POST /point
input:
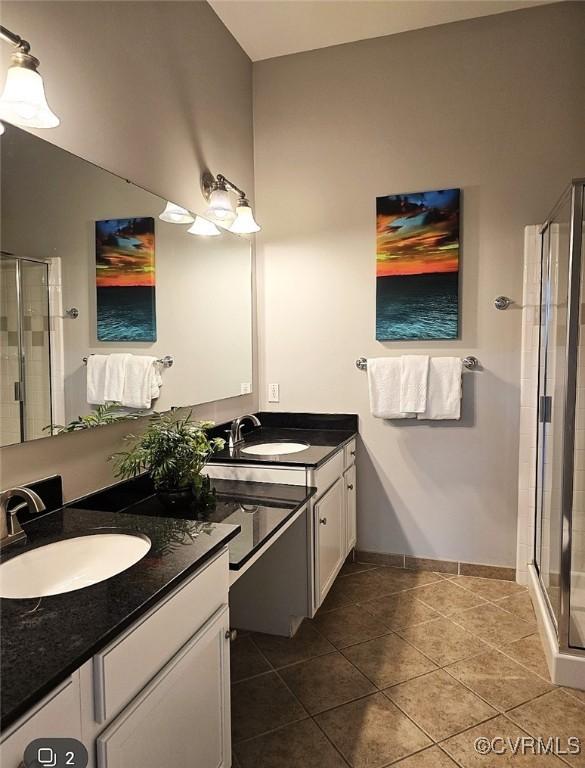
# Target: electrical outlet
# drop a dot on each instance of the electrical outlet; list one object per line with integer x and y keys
{"x": 274, "y": 393}
{"x": 245, "y": 388}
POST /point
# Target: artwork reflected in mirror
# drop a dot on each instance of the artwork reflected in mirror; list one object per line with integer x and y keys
{"x": 79, "y": 283}
{"x": 417, "y": 266}
{"x": 125, "y": 279}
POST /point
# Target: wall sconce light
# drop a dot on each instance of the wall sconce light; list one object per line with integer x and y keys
{"x": 217, "y": 190}
{"x": 23, "y": 101}
{"x": 203, "y": 228}
{"x": 175, "y": 214}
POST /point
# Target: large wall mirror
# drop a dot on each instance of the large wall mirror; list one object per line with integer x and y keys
{"x": 88, "y": 267}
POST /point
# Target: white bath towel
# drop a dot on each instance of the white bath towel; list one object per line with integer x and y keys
{"x": 413, "y": 383}
{"x": 142, "y": 381}
{"x": 444, "y": 389}
{"x": 384, "y": 385}
{"x": 96, "y": 379}
{"x": 115, "y": 376}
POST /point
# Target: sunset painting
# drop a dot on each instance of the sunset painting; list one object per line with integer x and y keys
{"x": 417, "y": 266}
{"x": 125, "y": 280}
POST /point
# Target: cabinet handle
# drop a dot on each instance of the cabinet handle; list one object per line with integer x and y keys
{"x": 353, "y": 453}
{"x": 231, "y": 634}
{"x": 323, "y": 520}
{"x": 350, "y": 487}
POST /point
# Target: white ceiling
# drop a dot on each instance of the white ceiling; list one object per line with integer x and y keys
{"x": 268, "y": 28}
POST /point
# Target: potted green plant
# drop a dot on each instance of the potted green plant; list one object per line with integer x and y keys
{"x": 174, "y": 451}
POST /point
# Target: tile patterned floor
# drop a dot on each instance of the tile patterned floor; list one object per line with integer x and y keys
{"x": 401, "y": 668}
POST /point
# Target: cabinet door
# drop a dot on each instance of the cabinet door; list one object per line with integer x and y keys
{"x": 330, "y": 537}
{"x": 182, "y": 717}
{"x": 57, "y": 716}
{"x": 350, "y": 509}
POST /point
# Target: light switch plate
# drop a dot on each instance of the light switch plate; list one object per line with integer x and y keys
{"x": 274, "y": 393}
{"x": 245, "y": 388}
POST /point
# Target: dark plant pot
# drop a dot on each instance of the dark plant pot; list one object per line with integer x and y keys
{"x": 177, "y": 500}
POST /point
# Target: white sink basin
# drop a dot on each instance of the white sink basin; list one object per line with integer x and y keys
{"x": 70, "y": 564}
{"x": 274, "y": 449}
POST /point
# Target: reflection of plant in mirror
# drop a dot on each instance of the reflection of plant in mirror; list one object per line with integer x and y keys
{"x": 103, "y": 414}
{"x": 172, "y": 450}
{"x": 169, "y": 534}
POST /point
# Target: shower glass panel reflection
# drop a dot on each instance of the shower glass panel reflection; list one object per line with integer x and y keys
{"x": 25, "y": 402}
{"x": 559, "y": 553}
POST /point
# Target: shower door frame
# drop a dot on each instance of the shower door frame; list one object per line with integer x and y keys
{"x": 20, "y": 385}
{"x": 563, "y": 623}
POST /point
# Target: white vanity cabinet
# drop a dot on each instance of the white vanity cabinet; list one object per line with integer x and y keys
{"x": 329, "y": 538}
{"x": 158, "y": 695}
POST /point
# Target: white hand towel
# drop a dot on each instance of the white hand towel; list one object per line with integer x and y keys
{"x": 141, "y": 381}
{"x": 444, "y": 390}
{"x": 413, "y": 383}
{"x": 384, "y": 385}
{"x": 115, "y": 375}
{"x": 96, "y": 379}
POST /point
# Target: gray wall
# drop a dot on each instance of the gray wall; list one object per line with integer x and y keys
{"x": 153, "y": 91}
{"x": 495, "y": 106}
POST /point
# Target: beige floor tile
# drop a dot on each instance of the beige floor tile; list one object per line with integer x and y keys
{"x": 528, "y": 652}
{"x": 462, "y": 748}
{"x": 576, "y": 693}
{"x": 348, "y": 625}
{"x": 443, "y": 641}
{"x": 294, "y": 746}
{"x": 245, "y": 659}
{"x": 499, "y": 680}
{"x": 306, "y": 644}
{"x": 491, "y": 589}
{"x": 354, "y": 588}
{"x": 388, "y": 660}
{"x": 447, "y": 597}
{"x": 439, "y": 704}
{"x": 428, "y": 758}
{"x": 555, "y": 714}
{"x": 397, "y": 579}
{"x": 349, "y": 568}
{"x": 372, "y": 732}
{"x": 519, "y": 605}
{"x": 261, "y": 704}
{"x": 493, "y": 624}
{"x": 326, "y": 682}
{"x": 400, "y": 610}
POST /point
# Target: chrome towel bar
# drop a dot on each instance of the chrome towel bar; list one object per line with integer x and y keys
{"x": 165, "y": 361}
{"x": 470, "y": 362}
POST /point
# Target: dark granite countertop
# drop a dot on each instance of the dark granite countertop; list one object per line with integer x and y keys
{"x": 260, "y": 509}
{"x": 45, "y": 639}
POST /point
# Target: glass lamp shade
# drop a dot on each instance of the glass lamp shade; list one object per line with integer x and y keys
{"x": 203, "y": 228}
{"x": 174, "y": 214}
{"x": 23, "y": 101}
{"x": 244, "y": 224}
{"x": 220, "y": 204}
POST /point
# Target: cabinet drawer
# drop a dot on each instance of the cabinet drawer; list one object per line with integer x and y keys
{"x": 326, "y": 475}
{"x": 349, "y": 453}
{"x": 123, "y": 668}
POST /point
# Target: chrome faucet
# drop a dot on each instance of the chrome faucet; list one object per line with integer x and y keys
{"x": 236, "y": 428}
{"x": 10, "y": 529}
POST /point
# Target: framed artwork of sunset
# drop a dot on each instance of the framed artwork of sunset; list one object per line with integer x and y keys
{"x": 417, "y": 265}
{"x": 125, "y": 280}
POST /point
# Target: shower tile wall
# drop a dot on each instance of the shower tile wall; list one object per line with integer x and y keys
{"x": 9, "y": 409}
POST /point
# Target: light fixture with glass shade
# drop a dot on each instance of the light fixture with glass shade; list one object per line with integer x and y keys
{"x": 245, "y": 223}
{"x": 217, "y": 191}
{"x": 23, "y": 101}
{"x": 175, "y": 214}
{"x": 203, "y": 228}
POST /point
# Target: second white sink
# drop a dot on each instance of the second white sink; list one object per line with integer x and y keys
{"x": 274, "y": 449}
{"x": 71, "y": 564}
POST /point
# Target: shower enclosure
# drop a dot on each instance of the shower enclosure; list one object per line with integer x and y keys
{"x": 25, "y": 400}
{"x": 559, "y": 540}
